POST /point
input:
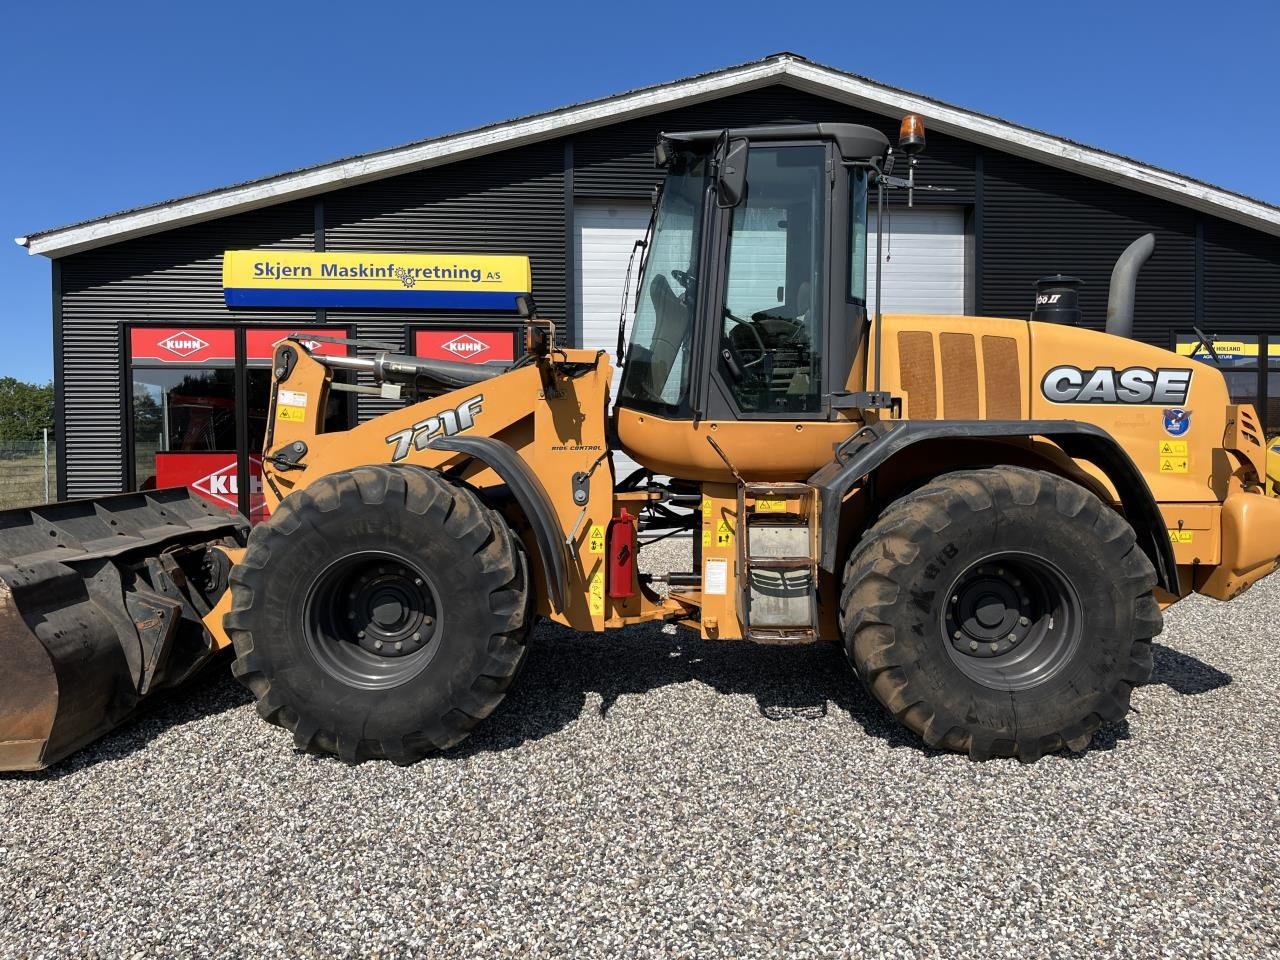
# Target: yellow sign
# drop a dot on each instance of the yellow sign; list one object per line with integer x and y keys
{"x": 723, "y": 534}
{"x": 1174, "y": 465}
{"x": 1191, "y": 347}
{"x": 1180, "y": 536}
{"x": 1173, "y": 448}
{"x": 292, "y": 414}
{"x": 294, "y": 278}
{"x": 595, "y": 539}
{"x": 771, "y": 506}
{"x": 706, "y": 538}
{"x": 595, "y": 593}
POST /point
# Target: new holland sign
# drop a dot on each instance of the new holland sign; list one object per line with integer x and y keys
{"x": 283, "y": 278}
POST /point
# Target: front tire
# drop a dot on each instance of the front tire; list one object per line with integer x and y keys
{"x": 1001, "y": 612}
{"x": 380, "y": 613}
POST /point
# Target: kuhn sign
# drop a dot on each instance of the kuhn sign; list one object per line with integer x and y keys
{"x": 467, "y": 346}
{"x": 183, "y": 344}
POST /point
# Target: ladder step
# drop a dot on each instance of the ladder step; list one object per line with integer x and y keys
{"x": 780, "y": 563}
{"x": 795, "y": 489}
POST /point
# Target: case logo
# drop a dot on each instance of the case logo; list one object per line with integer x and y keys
{"x": 182, "y": 344}
{"x": 1069, "y": 384}
{"x": 446, "y": 424}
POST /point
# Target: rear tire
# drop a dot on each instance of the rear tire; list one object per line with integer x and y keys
{"x": 380, "y": 613}
{"x": 1000, "y": 612}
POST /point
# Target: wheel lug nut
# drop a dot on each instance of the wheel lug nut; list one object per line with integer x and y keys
{"x": 416, "y": 638}
{"x": 399, "y": 645}
{"x": 955, "y": 598}
{"x": 377, "y": 645}
{"x": 428, "y": 621}
{"x": 1012, "y": 636}
{"x": 995, "y": 647}
{"x": 1023, "y": 621}
{"x": 973, "y": 644}
{"x": 957, "y": 635}
{"x": 417, "y": 581}
{"x": 360, "y": 634}
{"x": 999, "y": 572}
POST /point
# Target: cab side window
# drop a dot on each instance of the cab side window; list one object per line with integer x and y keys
{"x": 771, "y": 341}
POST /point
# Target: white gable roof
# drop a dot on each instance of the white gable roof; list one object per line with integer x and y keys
{"x": 782, "y": 68}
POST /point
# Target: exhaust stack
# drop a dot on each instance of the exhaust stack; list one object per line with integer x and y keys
{"x": 1124, "y": 278}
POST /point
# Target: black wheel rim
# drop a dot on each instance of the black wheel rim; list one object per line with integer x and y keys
{"x": 372, "y": 620}
{"x": 1011, "y": 621}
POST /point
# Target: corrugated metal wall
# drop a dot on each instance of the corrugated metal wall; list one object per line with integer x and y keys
{"x": 1031, "y": 220}
{"x": 1038, "y": 220}
{"x": 511, "y": 202}
{"x": 1241, "y": 279}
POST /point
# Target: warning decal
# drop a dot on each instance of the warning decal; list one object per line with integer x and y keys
{"x": 595, "y": 599}
{"x": 595, "y": 539}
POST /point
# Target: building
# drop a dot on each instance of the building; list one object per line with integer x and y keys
{"x": 150, "y": 360}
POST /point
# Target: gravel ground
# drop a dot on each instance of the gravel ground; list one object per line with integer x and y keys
{"x": 652, "y": 794}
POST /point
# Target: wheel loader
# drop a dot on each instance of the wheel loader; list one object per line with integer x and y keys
{"x": 989, "y": 515}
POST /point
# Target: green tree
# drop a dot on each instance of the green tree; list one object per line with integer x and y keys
{"x": 25, "y": 409}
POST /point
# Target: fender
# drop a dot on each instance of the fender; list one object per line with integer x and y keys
{"x": 533, "y": 500}
{"x": 1080, "y": 441}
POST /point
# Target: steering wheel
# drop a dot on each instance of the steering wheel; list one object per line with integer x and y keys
{"x": 751, "y": 328}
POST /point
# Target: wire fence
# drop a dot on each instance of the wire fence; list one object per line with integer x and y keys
{"x": 28, "y": 472}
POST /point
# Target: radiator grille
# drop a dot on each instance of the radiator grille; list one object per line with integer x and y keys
{"x": 1002, "y": 378}
{"x": 915, "y": 358}
{"x": 959, "y": 376}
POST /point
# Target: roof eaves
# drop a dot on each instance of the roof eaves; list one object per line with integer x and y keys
{"x": 789, "y": 68}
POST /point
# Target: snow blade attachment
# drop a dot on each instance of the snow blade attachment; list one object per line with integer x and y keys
{"x": 100, "y": 605}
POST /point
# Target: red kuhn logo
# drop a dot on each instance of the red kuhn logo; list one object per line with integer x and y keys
{"x": 183, "y": 344}
{"x": 465, "y": 346}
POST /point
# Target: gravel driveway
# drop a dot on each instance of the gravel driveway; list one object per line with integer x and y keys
{"x": 652, "y": 794}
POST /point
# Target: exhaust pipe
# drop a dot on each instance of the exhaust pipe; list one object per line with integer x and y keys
{"x": 1124, "y": 278}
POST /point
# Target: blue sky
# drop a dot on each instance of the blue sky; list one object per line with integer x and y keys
{"x": 105, "y": 106}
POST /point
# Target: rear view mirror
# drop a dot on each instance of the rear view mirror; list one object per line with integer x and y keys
{"x": 731, "y": 171}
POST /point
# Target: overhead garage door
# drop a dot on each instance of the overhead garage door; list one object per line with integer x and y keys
{"x": 605, "y": 235}
{"x": 923, "y": 258}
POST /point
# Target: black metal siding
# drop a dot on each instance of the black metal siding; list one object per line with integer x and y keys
{"x": 1242, "y": 279}
{"x": 173, "y": 277}
{"x": 512, "y": 202}
{"x": 617, "y": 161}
{"x": 1038, "y": 220}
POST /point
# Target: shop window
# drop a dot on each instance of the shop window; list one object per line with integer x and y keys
{"x": 190, "y": 425}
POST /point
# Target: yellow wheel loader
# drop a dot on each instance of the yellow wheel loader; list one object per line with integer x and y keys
{"x": 987, "y": 514}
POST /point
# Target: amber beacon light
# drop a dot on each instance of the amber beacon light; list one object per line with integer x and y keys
{"x": 911, "y": 135}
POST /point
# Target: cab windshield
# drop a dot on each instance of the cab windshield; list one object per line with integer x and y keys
{"x": 656, "y": 375}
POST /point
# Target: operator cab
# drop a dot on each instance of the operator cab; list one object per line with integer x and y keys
{"x": 753, "y": 294}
